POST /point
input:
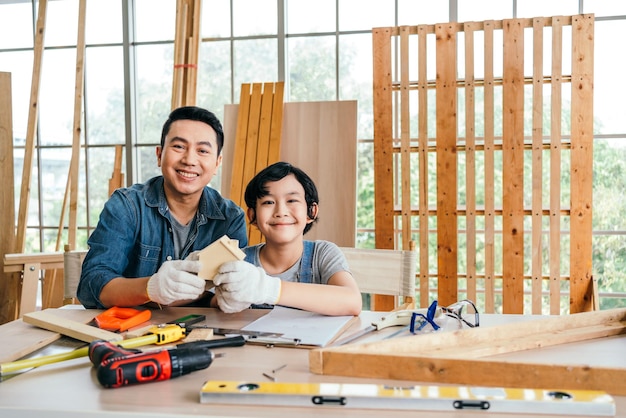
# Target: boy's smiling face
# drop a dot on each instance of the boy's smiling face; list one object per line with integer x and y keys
{"x": 281, "y": 215}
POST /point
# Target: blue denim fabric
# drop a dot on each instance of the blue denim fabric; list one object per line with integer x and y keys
{"x": 134, "y": 235}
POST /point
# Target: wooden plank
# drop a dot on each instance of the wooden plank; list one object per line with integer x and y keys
{"x": 490, "y": 214}
{"x": 424, "y": 233}
{"x": 9, "y": 282}
{"x": 447, "y": 179}
{"x": 249, "y": 158}
{"x": 117, "y": 177}
{"x": 31, "y": 129}
{"x": 277, "y": 122}
{"x": 470, "y": 163}
{"x": 237, "y": 185}
{"x": 403, "y": 359}
{"x": 555, "y": 166}
{"x": 47, "y": 320}
{"x": 405, "y": 139}
{"x": 263, "y": 144}
{"x": 78, "y": 111}
{"x": 383, "y": 152}
{"x": 581, "y": 281}
{"x": 17, "y": 343}
{"x": 383, "y": 142}
{"x": 513, "y": 168}
{"x": 178, "y": 73}
{"x": 537, "y": 169}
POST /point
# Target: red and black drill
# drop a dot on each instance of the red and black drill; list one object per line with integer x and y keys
{"x": 118, "y": 366}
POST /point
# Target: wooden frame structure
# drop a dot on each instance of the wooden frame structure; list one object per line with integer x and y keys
{"x": 463, "y": 357}
{"x": 489, "y": 173}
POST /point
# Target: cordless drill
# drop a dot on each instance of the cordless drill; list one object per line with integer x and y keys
{"x": 118, "y": 366}
{"x": 152, "y": 366}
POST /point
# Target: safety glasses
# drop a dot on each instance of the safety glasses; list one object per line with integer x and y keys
{"x": 464, "y": 311}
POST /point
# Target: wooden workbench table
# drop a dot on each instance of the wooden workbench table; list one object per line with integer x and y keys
{"x": 71, "y": 389}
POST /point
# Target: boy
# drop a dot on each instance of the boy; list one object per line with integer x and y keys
{"x": 286, "y": 270}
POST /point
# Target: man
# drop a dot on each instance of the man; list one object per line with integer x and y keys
{"x": 139, "y": 251}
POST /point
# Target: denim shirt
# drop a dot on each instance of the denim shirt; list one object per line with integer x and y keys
{"x": 134, "y": 235}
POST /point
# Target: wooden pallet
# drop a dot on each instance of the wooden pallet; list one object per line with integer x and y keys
{"x": 462, "y": 357}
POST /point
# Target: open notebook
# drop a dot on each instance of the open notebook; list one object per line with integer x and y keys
{"x": 299, "y": 328}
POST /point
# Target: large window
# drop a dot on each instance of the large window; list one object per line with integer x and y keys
{"x": 321, "y": 49}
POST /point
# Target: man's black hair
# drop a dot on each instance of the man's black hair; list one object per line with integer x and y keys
{"x": 256, "y": 187}
{"x": 194, "y": 113}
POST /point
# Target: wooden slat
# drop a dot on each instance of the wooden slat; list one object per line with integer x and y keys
{"x": 117, "y": 177}
{"x": 513, "y": 168}
{"x": 405, "y": 139}
{"x": 241, "y": 136}
{"x": 47, "y": 320}
{"x": 277, "y": 122}
{"x": 178, "y": 73}
{"x": 402, "y": 359}
{"x": 31, "y": 129}
{"x": 555, "y": 166}
{"x": 581, "y": 281}
{"x": 76, "y": 132}
{"x": 470, "y": 162}
{"x": 537, "y": 169}
{"x": 383, "y": 154}
{"x": 490, "y": 212}
{"x": 9, "y": 282}
{"x": 383, "y": 134}
{"x": 424, "y": 265}
{"x": 263, "y": 142}
{"x": 446, "y": 108}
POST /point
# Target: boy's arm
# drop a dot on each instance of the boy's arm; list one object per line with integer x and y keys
{"x": 341, "y": 296}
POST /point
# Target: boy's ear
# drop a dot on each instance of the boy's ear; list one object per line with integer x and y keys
{"x": 251, "y": 216}
{"x": 313, "y": 212}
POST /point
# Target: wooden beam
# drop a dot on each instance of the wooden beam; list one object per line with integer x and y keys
{"x": 513, "y": 168}
{"x": 9, "y": 282}
{"x": 462, "y": 357}
{"x": 447, "y": 176}
{"x": 29, "y": 148}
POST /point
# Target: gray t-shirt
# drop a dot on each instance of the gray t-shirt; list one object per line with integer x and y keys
{"x": 327, "y": 260}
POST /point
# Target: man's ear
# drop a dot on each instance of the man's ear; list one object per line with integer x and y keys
{"x": 159, "y": 150}
{"x": 251, "y": 216}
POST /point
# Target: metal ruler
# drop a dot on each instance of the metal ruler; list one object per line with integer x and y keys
{"x": 427, "y": 398}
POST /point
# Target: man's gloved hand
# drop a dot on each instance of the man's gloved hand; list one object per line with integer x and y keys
{"x": 175, "y": 280}
{"x": 193, "y": 256}
{"x": 240, "y": 284}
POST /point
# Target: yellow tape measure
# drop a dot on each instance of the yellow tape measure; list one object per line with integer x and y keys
{"x": 432, "y": 398}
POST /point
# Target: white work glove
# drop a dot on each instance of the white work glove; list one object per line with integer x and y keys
{"x": 193, "y": 256}
{"x": 239, "y": 284}
{"x": 176, "y": 280}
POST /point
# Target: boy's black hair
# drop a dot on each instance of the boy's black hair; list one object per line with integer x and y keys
{"x": 256, "y": 187}
{"x": 194, "y": 113}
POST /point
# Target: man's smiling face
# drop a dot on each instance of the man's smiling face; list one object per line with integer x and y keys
{"x": 189, "y": 158}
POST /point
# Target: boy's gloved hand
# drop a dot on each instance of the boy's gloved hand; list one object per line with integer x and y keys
{"x": 240, "y": 284}
{"x": 175, "y": 280}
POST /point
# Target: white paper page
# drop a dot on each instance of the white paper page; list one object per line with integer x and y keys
{"x": 308, "y": 327}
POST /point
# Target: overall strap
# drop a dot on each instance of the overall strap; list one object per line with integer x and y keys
{"x": 250, "y": 252}
{"x": 305, "y": 274}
